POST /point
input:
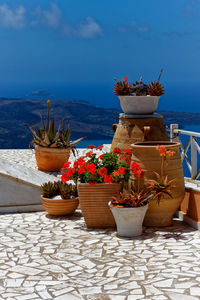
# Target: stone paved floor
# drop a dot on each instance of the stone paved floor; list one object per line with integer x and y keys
{"x": 43, "y": 257}
{"x": 26, "y": 157}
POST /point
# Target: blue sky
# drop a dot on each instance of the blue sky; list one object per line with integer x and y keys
{"x": 92, "y": 41}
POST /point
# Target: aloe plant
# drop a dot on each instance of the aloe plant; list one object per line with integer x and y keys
{"x": 47, "y": 136}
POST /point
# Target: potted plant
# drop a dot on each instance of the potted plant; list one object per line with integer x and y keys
{"x": 52, "y": 148}
{"x": 59, "y": 198}
{"x": 99, "y": 176}
{"x": 138, "y": 98}
{"x": 129, "y": 209}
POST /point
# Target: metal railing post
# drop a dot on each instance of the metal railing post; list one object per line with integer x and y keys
{"x": 173, "y": 136}
{"x": 193, "y": 158}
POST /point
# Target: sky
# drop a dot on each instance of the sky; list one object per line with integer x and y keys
{"x": 77, "y": 44}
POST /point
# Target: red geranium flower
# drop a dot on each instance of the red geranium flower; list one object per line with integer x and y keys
{"x": 117, "y": 150}
{"x": 121, "y": 171}
{"x": 127, "y": 151}
{"x": 102, "y": 171}
{"x": 80, "y": 162}
{"x": 108, "y": 179}
{"x": 100, "y": 157}
{"x": 67, "y": 164}
{"x": 89, "y": 153}
{"x": 92, "y": 183}
{"x": 100, "y": 147}
{"x": 91, "y": 168}
{"x": 81, "y": 170}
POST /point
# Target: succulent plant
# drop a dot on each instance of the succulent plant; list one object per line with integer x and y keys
{"x": 51, "y": 189}
{"x": 122, "y": 87}
{"x": 140, "y": 88}
{"x": 48, "y": 137}
{"x": 155, "y": 89}
{"x": 68, "y": 190}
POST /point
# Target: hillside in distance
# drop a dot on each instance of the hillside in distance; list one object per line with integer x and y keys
{"x": 85, "y": 119}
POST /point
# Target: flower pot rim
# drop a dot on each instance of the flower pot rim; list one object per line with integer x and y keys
{"x": 45, "y": 198}
{"x": 154, "y": 144}
{"x": 54, "y": 148}
{"x": 142, "y": 96}
{"x": 125, "y": 208}
{"x": 98, "y": 184}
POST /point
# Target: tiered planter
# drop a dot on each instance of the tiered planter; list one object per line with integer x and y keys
{"x": 148, "y": 158}
{"x": 132, "y": 129}
{"x": 60, "y": 207}
{"x": 141, "y": 105}
{"x": 51, "y": 159}
{"x": 94, "y": 203}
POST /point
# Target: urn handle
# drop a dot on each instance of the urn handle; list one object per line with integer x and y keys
{"x": 114, "y": 127}
{"x": 146, "y": 132}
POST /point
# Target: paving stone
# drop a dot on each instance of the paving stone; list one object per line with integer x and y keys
{"x": 44, "y": 257}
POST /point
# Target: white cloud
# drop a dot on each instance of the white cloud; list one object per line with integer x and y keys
{"x": 89, "y": 29}
{"x": 191, "y": 8}
{"x": 135, "y": 28}
{"x": 50, "y": 17}
{"x": 12, "y": 18}
{"x": 85, "y": 30}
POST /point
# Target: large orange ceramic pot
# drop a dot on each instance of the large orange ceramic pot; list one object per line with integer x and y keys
{"x": 60, "y": 207}
{"x": 148, "y": 158}
{"x": 94, "y": 203}
{"x": 51, "y": 159}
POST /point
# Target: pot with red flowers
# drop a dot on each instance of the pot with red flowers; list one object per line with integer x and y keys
{"x": 138, "y": 98}
{"x": 129, "y": 209}
{"x": 99, "y": 177}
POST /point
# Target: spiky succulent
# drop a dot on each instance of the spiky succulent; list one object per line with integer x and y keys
{"x": 47, "y": 136}
{"x": 134, "y": 199}
{"x": 68, "y": 190}
{"x": 140, "y": 88}
{"x": 155, "y": 89}
{"x": 51, "y": 189}
{"x": 122, "y": 88}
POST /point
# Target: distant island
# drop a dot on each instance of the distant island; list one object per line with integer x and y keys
{"x": 85, "y": 119}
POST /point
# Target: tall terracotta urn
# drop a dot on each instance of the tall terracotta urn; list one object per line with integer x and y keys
{"x": 146, "y": 155}
{"x": 137, "y": 128}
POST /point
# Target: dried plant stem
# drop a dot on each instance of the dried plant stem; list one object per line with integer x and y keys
{"x": 160, "y": 74}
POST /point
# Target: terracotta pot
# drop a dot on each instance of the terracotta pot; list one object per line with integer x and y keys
{"x": 132, "y": 129}
{"x": 94, "y": 203}
{"x": 60, "y": 207}
{"x": 51, "y": 159}
{"x": 142, "y": 105}
{"x": 129, "y": 219}
{"x": 148, "y": 158}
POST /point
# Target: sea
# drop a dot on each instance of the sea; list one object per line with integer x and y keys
{"x": 178, "y": 97}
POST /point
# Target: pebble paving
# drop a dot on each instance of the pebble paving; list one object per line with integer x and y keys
{"x": 45, "y": 257}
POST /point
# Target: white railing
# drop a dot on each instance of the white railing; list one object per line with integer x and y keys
{"x": 192, "y": 144}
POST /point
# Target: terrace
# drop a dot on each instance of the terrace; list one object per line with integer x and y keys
{"x": 46, "y": 257}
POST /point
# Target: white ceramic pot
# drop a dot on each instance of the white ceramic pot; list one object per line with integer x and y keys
{"x": 129, "y": 219}
{"x": 139, "y": 105}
